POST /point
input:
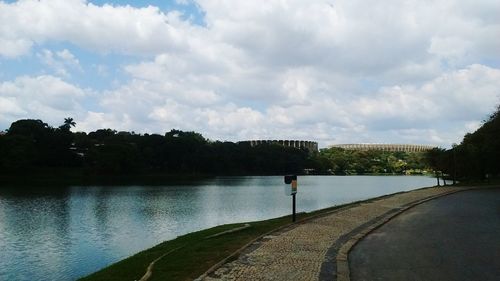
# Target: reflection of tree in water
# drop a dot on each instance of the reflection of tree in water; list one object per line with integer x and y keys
{"x": 101, "y": 210}
{"x": 169, "y": 211}
{"x": 46, "y": 208}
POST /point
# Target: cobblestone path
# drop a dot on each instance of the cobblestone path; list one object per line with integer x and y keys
{"x": 302, "y": 251}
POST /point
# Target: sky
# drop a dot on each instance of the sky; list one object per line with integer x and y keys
{"x": 331, "y": 71}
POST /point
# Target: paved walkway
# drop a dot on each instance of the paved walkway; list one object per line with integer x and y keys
{"x": 317, "y": 249}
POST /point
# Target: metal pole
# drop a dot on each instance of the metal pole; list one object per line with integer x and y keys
{"x": 454, "y": 165}
{"x": 293, "y": 207}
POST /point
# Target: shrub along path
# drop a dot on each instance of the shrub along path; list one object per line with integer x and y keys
{"x": 317, "y": 249}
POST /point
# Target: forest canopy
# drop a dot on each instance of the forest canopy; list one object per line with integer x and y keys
{"x": 30, "y": 145}
{"x": 476, "y": 157}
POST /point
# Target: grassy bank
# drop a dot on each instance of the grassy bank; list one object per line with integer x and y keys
{"x": 192, "y": 254}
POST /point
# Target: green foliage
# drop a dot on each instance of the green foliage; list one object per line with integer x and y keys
{"x": 34, "y": 129}
{"x": 476, "y": 157}
{"x": 68, "y": 123}
{"x": 18, "y": 153}
{"x": 192, "y": 254}
{"x": 344, "y": 162}
{"x": 32, "y": 144}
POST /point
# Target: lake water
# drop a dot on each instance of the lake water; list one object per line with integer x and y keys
{"x": 66, "y": 233}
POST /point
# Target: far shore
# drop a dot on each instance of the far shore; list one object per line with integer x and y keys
{"x": 69, "y": 176}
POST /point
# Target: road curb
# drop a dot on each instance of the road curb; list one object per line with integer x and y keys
{"x": 290, "y": 226}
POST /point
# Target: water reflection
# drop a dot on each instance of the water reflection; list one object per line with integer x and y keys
{"x": 44, "y": 224}
{"x": 65, "y": 233}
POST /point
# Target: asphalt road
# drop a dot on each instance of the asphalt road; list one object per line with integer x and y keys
{"x": 455, "y": 237}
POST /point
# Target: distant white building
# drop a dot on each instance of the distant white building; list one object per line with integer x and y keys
{"x": 385, "y": 147}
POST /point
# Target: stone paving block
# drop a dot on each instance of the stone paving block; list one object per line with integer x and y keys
{"x": 298, "y": 253}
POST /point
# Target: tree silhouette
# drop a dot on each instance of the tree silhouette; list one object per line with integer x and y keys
{"x": 33, "y": 144}
{"x": 68, "y": 123}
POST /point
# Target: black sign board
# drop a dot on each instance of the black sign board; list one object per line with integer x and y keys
{"x": 290, "y": 178}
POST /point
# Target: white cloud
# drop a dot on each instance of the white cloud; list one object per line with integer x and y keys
{"x": 43, "y": 97}
{"x": 62, "y": 62}
{"x": 336, "y": 71}
{"x": 14, "y": 47}
{"x": 182, "y": 2}
{"x": 459, "y": 97}
{"x": 104, "y": 29}
{"x": 68, "y": 58}
{"x": 347, "y": 36}
{"x": 438, "y": 111}
{"x": 449, "y": 47}
{"x": 9, "y": 107}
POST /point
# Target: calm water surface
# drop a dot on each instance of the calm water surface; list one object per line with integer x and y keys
{"x": 66, "y": 233}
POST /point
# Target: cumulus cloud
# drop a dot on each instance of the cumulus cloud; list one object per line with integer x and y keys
{"x": 439, "y": 111}
{"x": 14, "y": 47}
{"x": 346, "y": 35}
{"x": 61, "y": 62}
{"x": 104, "y": 29}
{"x": 461, "y": 95}
{"x": 43, "y": 97}
{"x": 334, "y": 71}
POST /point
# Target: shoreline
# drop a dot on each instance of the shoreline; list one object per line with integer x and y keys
{"x": 318, "y": 248}
{"x": 199, "y": 253}
{"x": 69, "y": 177}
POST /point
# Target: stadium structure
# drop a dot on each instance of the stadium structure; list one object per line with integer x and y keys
{"x": 312, "y": 146}
{"x": 386, "y": 147}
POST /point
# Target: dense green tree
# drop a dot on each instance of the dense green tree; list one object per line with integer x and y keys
{"x": 373, "y": 161}
{"x": 18, "y": 152}
{"x": 68, "y": 123}
{"x": 476, "y": 157}
{"x": 34, "y": 129}
{"x": 114, "y": 158}
{"x": 33, "y": 144}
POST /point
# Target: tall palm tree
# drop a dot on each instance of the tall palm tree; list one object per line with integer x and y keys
{"x": 69, "y": 122}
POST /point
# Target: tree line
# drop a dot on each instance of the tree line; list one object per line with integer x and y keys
{"x": 31, "y": 145}
{"x": 475, "y": 158}
{"x": 345, "y": 162}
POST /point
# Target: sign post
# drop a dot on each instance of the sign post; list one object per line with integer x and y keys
{"x": 292, "y": 180}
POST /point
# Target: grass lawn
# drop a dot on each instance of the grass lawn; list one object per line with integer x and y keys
{"x": 193, "y": 253}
